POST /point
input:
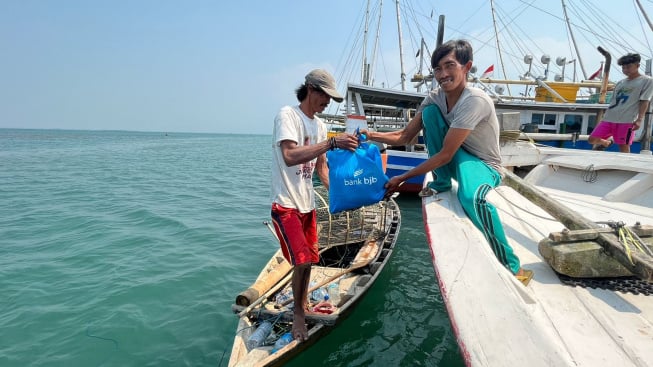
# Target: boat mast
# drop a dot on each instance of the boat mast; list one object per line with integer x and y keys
{"x": 496, "y": 37}
{"x": 376, "y": 43}
{"x": 644, "y": 14}
{"x": 365, "y": 70}
{"x": 401, "y": 49}
{"x": 573, "y": 40}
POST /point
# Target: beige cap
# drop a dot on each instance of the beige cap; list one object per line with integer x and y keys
{"x": 322, "y": 79}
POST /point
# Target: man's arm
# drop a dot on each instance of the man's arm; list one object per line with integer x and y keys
{"x": 322, "y": 170}
{"x": 399, "y": 137}
{"x": 452, "y": 142}
{"x": 294, "y": 154}
{"x": 643, "y": 108}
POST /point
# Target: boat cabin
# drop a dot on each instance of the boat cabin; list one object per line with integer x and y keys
{"x": 555, "y": 122}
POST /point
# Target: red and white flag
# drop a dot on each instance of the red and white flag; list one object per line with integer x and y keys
{"x": 597, "y": 73}
{"x": 489, "y": 71}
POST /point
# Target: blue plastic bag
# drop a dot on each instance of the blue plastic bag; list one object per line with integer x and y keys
{"x": 356, "y": 178}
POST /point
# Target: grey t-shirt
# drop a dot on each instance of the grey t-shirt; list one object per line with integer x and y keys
{"x": 624, "y": 104}
{"x": 473, "y": 111}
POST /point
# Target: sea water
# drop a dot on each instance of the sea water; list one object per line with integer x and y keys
{"x": 128, "y": 249}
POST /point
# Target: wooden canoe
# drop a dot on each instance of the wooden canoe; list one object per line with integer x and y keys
{"x": 354, "y": 248}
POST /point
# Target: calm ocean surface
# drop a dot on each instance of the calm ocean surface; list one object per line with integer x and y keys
{"x": 128, "y": 249}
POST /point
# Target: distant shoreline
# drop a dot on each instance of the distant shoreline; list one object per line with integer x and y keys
{"x": 168, "y": 133}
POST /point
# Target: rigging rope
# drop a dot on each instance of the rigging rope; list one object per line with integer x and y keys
{"x": 589, "y": 174}
{"x": 628, "y": 238}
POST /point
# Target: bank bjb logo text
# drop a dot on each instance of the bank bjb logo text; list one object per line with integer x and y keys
{"x": 357, "y": 180}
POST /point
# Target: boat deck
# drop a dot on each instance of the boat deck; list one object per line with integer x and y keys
{"x": 496, "y": 319}
{"x": 597, "y": 327}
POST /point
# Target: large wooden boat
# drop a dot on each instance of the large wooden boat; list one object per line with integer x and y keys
{"x": 551, "y": 123}
{"x": 581, "y": 220}
{"x": 354, "y": 248}
{"x": 562, "y": 112}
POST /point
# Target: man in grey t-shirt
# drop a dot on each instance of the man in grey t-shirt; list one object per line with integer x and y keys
{"x": 461, "y": 132}
{"x": 628, "y": 106}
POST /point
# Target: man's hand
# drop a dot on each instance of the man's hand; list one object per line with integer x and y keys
{"x": 637, "y": 124}
{"x": 347, "y": 141}
{"x": 393, "y": 185}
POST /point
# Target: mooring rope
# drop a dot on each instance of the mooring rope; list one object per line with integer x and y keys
{"x": 627, "y": 238}
{"x": 589, "y": 174}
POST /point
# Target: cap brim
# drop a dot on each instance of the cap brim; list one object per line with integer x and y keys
{"x": 333, "y": 94}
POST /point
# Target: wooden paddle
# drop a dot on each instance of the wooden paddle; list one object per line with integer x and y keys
{"x": 365, "y": 255}
{"x": 641, "y": 265}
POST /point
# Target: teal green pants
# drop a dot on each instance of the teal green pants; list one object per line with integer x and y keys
{"x": 475, "y": 179}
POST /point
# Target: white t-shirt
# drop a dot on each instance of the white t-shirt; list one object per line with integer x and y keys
{"x": 292, "y": 187}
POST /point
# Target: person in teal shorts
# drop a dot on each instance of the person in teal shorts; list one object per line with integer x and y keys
{"x": 461, "y": 132}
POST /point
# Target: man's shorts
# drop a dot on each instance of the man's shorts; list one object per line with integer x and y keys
{"x": 621, "y": 133}
{"x": 297, "y": 233}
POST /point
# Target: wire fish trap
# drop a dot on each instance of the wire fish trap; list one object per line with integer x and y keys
{"x": 350, "y": 226}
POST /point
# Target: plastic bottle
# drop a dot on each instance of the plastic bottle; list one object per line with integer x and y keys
{"x": 283, "y": 296}
{"x": 334, "y": 293}
{"x": 318, "y": 294}
{"x": 259, "y": 335}
{"x": 283, "y": 340}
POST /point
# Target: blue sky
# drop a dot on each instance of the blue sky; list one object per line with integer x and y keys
{"x": 227, "y": 67}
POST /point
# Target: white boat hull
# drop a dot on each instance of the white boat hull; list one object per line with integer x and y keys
{"x": 500, "y": 322}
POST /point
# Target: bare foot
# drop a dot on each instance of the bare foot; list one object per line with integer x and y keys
{"x": 299, "y": 330}
{"x": 603, "y": 144}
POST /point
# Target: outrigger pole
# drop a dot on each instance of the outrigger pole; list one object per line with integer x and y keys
{"x": 646, "y": 137}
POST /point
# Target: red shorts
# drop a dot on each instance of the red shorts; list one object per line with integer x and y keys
{"x": 297, "y": 233}
{"x": 621, "y": 133}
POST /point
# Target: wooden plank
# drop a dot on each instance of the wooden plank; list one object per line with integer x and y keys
{"x": 263, "y": 284}
{"x": 591, "y": 234}
{"x": 642, "y": 264}
{"x": 264, "y": 297}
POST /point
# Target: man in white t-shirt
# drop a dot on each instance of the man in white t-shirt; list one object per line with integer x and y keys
{"x": 299, "y": 148}
{"x": 628, "y": 106}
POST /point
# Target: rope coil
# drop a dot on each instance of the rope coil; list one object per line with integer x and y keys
{"x": 628, "y": 238}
